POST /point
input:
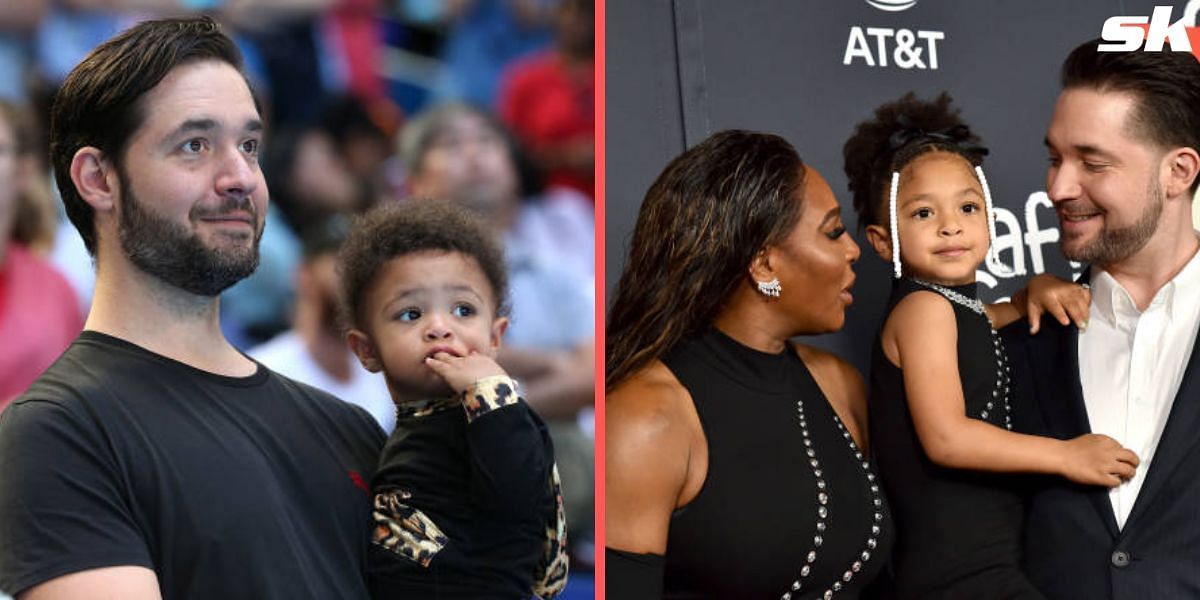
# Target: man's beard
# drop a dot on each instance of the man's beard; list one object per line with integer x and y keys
{"x": 176, "y": 255}
{"x": 1118, "y": 243}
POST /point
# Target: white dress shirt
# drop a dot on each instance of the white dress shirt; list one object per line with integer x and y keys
{"x": 1131, "y": 364}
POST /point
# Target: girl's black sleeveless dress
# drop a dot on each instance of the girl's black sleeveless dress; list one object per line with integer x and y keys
{"x": 790, "y": 507}
{"x": 957, "y": 532}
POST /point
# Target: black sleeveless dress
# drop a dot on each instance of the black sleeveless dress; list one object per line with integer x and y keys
{"x": 958, "y": 532}
{"x": 790, "y": 507}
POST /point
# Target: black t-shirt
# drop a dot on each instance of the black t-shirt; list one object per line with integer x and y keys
{"x": 474, "y": 499}
{"x": 227, "y": 487}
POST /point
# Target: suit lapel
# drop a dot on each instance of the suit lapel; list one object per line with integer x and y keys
{"x": 1065, "y": 413}
{"x": 1178, "y": 438}
{"x": 1062, "y": 407}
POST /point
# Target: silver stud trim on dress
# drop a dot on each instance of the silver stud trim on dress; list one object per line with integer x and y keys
{"x": 824, "y": 500}
{"x": 974, "y": 304}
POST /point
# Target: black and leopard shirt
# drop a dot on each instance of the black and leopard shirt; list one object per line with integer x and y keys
{"x": 467, "y": 502}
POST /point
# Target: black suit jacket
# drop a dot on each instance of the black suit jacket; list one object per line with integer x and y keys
{"x": 1073, "y": 548}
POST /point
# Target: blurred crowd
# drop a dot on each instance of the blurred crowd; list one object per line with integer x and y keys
{"x": 486, "y": 102}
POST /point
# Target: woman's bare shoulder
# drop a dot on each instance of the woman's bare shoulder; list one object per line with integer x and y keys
{"x": 651, "y": 462}
{"x": 650, "y": 402}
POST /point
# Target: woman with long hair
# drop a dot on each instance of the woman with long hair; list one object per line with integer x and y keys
{"x": 736, "y": 459}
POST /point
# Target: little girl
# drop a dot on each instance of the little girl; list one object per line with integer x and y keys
{"x": 466, "y": 498}
{"x": 939, "y": 407}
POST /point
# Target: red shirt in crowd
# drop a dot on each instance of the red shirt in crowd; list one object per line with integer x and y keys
{"x": 551, "y": 106}
{"x": 39, "y": 317}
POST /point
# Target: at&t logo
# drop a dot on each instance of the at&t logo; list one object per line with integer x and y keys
{"x": 900, "y": 44}
{"x": 892, "y": 5}
{"x": 888, "y": 46}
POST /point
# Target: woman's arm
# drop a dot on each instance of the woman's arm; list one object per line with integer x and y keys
{"x": 656, "y": 459}
{"x": 923, "y": 332}
{"x": 651, "y": 467}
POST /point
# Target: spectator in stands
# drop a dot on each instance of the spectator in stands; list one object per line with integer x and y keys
{"x": 314, "y": 350}
{"x": 362, "y": 137}
{"x": 38, "y": 313}
{"x": 549, "y": 101}
{"x": 18, "y": 20}
{"x": 484, "y": 36}
{"x": 309, "y": 183}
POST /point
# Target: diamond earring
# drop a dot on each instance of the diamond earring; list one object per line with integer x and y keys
{"x": 769, "y": 288}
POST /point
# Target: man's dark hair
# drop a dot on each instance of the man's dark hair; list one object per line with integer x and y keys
{"x": 100, "y": 103}
{"x": 395, "y": 230}
{"x": 1165, "y": 85}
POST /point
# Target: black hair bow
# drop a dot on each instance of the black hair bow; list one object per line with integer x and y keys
{"x": 958, "y": 136}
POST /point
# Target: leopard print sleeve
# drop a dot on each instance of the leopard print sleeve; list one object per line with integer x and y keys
{"x": 404, "y": 530}
{"x": 488, "y": 394}
{"x": 550, "y": 576}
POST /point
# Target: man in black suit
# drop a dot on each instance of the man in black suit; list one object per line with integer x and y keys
{"x": 1124, "y": 145}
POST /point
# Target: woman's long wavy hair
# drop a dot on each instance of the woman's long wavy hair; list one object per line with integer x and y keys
{"x": 701, "y": 224}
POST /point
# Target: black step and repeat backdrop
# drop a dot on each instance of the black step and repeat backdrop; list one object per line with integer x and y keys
{"x": 809, "y": 70}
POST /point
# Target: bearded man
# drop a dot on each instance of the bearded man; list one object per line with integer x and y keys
{"x": 1123, "y": 145}
{"x": 153, "y": 459}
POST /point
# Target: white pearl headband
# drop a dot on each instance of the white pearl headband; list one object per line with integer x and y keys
{"x": 895, "y": 227}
